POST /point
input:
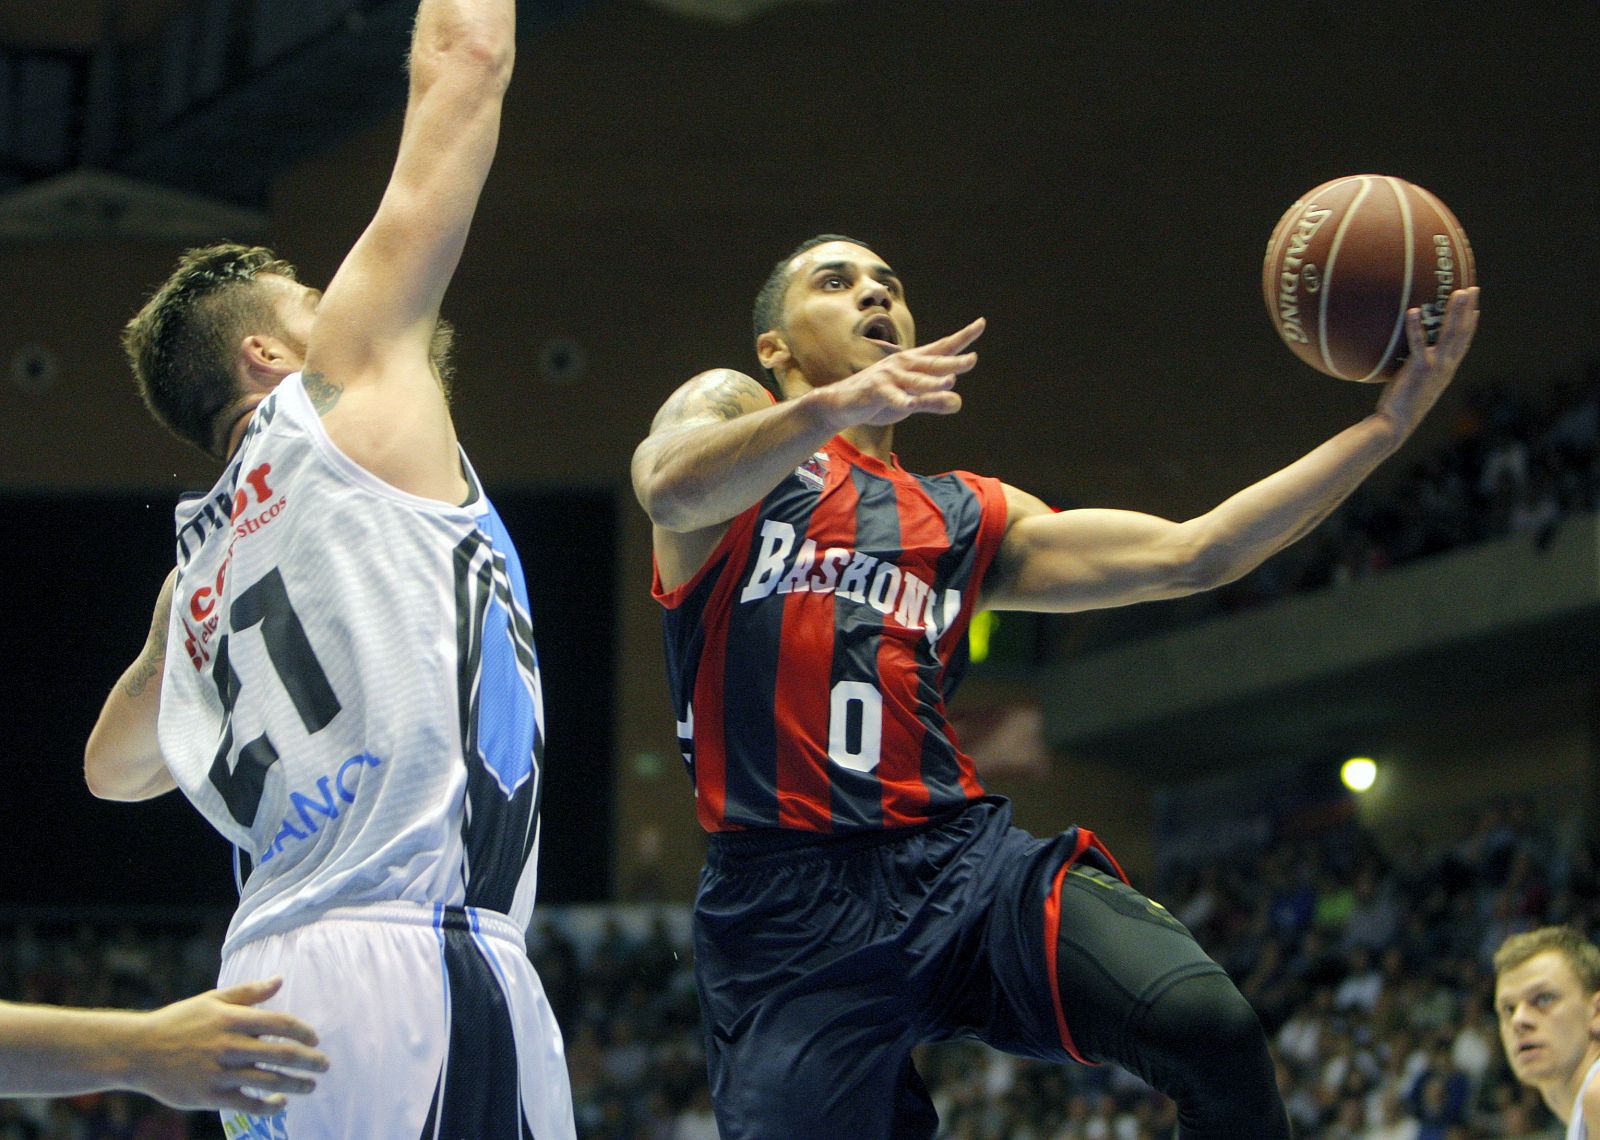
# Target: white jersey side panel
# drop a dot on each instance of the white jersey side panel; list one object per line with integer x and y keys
{"x": 1576, "y": 1128}
{"x": 352, "y": 696}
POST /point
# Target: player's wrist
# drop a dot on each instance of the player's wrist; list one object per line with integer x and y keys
{"x": 1390, "y": 427}
{"x": 820, "y": 408}
{"x": 109, "y": 1042}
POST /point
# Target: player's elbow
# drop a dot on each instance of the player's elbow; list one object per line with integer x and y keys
{"x": 479, "y": 54}
{"x": 1197, "y": 561}
{"x": 664, "y": 492}
{"x": 668, "y": 506}
{"x": 110, "y": 776}
{"x": 101, "y": 776}
{"x": 487, "y": 59}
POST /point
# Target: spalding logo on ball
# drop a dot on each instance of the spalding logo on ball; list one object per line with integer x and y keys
{"x": 1347, "y": 261}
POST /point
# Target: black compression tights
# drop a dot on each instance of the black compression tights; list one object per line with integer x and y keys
{"x": 1200, "y": 1043}
{"x": 1138, "y": 991}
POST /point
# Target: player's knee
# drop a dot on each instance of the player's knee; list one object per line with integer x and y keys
{"x": 1203, "y": 1046}
{"x": 1204, "y": 1021}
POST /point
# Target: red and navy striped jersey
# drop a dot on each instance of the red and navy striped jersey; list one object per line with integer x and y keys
{"x": 812, "y": 657}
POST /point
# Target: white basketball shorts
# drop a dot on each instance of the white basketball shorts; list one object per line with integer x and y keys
{"x": 433, "y": 1020}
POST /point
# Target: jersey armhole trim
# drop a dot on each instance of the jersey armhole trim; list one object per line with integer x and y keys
{"x": 293, "y": 389}
{"x": 992, "y": 529}
{"x": 672, "y": 599}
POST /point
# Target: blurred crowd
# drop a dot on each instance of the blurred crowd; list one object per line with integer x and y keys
{"x": 1372, "y": 970}
{"x": 1369, "y": 968}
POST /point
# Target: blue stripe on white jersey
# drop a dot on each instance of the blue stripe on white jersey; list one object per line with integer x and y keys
{"x": 502, "y": 716}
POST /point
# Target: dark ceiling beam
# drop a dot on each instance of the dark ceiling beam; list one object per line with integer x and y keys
{"x": 40, "y": 96}
{"x": 222, "y": 99}
{"x": 178, "y": 136}
{"x": 230, "y": 142}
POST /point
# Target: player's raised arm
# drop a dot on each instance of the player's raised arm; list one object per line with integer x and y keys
{"x": 122, "y": 760}
{"x": 688, "y": 474}
{"x": 368, "y": 364}
{"x": 704, "y": 461}
{"x": 719, "y": 443}
{"x": 1089, "y": 559}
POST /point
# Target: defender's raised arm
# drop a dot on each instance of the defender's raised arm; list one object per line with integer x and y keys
{"x": 368, "y": 362}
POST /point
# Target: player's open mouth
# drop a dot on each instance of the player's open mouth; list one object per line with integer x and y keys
{"x": 881, "y": 329}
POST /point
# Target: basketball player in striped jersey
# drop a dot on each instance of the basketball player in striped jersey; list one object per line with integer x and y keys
{"x": 341, "y": 672}
{"x": 862, "y": 894}
{"x": 1547, "y": 1001}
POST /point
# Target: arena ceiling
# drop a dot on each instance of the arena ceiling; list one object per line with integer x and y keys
{"x": 166, "y": 118}
{"x": 144, "y": 117}
{"x": 84, "y": 23}
{"x": 78, "y": 23}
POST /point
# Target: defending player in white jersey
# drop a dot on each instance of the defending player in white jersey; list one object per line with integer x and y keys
{"x": 341, "y": 673}
{"x": 1547, "y": 999}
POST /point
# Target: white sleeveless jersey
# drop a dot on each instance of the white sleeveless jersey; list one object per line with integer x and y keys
{"x": 351, "y": 695}
{"x": 1576, "y": 1129}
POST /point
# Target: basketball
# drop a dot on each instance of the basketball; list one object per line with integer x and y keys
{"x": 1346, "y": 262}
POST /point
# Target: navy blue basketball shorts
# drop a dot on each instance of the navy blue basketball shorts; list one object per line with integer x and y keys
{"x": 823, "y": 961}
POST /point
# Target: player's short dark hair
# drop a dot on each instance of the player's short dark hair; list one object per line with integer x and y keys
{"x": 183, "y": 343}
{"x": 1581, "y": 954}
{"x": 769, "y": 301}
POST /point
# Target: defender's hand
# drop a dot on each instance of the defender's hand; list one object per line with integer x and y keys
{"x": 205, "y": 1051}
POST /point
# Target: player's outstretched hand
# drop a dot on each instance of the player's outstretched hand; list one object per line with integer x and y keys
{"x": 205, "y": 1051}
{"x": 1429, "y": 369}
{"x": 904, "y": 383}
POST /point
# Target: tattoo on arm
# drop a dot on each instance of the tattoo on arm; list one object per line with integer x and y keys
{"x": 140, "y": 674}
{"x": 723, "y": 399}
{"x": 324, "y": 393}
{"x": 138, "y": 678}
{"x": 726, "y": 398}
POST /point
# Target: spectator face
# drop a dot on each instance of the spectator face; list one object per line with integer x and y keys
{"x": 1547, "y": 1021}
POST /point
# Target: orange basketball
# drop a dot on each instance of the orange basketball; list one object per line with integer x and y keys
{"x": 1346, "y": 262}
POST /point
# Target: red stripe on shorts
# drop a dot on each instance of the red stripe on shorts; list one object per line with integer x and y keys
{"x": 1052, "y": 932}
